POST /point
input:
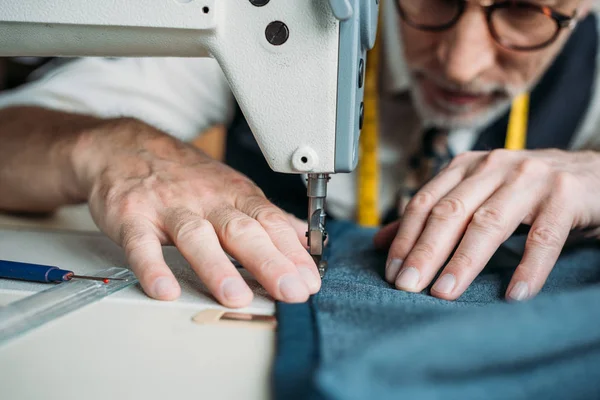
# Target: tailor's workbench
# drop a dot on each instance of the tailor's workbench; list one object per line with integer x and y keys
{"x": 126, "y": 346}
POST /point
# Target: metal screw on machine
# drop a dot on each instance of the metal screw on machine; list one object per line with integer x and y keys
{"x": 277, "y": 33}
{"x": 259, "y": 3}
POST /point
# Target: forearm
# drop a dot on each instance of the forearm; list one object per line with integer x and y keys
{"x": 37, "y": 146}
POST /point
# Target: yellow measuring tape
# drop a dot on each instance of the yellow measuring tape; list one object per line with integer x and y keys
{"x": 516, "y": 135}
{"x": 368, "y": 167}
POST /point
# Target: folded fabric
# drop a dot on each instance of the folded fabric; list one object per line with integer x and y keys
{"x": 360, "y": 338}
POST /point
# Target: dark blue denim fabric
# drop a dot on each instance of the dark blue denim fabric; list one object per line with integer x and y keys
{"x": 361, "y": 339}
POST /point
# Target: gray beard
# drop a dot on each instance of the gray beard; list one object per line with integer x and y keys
{"x": 432, "y": 117}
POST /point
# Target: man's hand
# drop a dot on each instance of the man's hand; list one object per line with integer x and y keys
{"x": 476, "y": 203}
{"x": 146, "y": 189}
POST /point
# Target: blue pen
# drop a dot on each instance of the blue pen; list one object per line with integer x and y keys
{"x": 41, "y": 273}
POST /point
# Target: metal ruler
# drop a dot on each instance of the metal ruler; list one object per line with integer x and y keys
{"x": 30, "y": 312}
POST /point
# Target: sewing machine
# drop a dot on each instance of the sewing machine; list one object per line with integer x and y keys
{"x": 295, "y": 67}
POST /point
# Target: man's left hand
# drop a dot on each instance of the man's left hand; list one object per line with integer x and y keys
{"x": 476, "y": 203}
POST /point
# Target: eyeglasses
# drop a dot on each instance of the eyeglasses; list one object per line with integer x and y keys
{"x": 516, "y": 25}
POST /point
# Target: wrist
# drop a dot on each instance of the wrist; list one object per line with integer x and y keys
{"x": 113, "y": 143}
{"x": 92, "y": 152}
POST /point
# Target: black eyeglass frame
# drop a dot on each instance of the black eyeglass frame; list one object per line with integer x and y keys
{"x": 562, "y": 21}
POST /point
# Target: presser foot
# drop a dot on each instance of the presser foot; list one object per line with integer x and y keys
{"x": 317, "y": 193}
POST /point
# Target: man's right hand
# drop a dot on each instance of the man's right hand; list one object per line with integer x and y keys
{"x": 146, "y": 189}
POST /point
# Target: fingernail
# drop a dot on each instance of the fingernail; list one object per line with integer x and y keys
{"x": 292, "y": 289}
{"x": 391, "y": 270}
{"x": 234, "y": 289}
{"x": 519, "y": 292}
{"x": 310, "y": 278}
{"x": 408, "y": 279}
{"x": 445, "y": 284}
{"x": 164, "y": 288}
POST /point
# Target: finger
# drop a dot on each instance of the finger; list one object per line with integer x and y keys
{"x": 246, "y": 240}
{"x": 197, "y": 241}
{"x": 444, "y": 228}
{"x": 384, "y": 238}
{"x": 545, "y": 241}
{"x": 144, "y": 254}
{"x": 285, "y": 238}
{"x": 489, "y": 227}
{"x": 415, "y": 216}
{"x": 301, "y": 227}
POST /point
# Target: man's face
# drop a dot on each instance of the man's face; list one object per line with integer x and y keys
{"x": 462, "y": 78}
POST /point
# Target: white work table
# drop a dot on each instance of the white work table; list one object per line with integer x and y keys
{"x": 126, "y": 346}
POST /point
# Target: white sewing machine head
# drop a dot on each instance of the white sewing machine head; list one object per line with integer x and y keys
{"x": 296, "y": 67}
